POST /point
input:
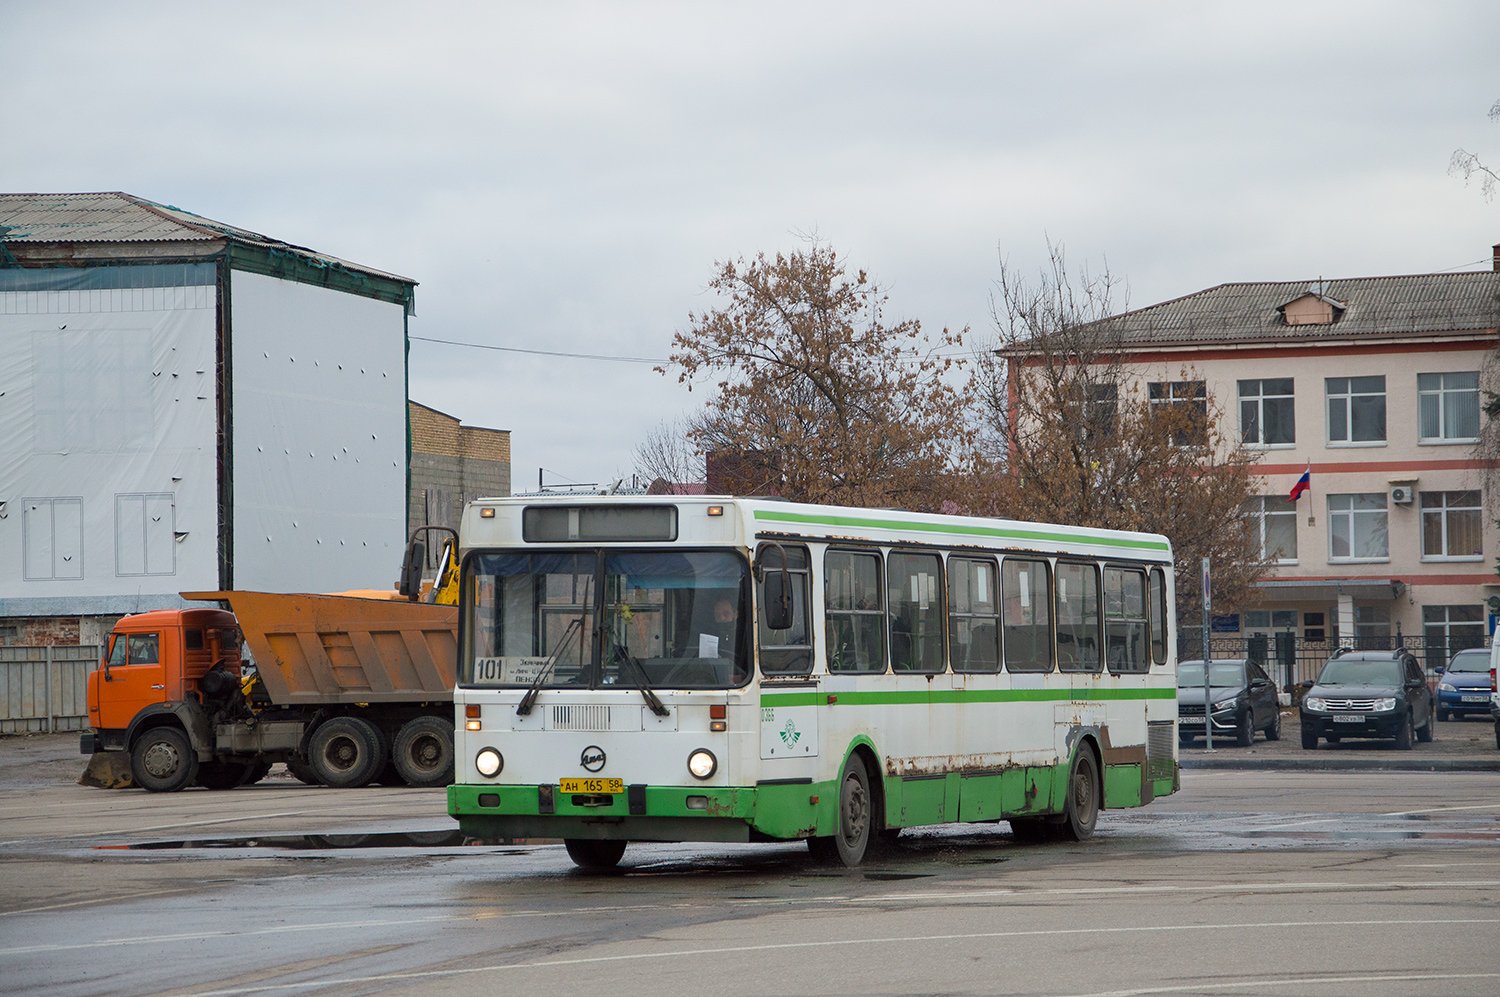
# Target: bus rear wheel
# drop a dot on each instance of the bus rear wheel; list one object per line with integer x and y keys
{"x": 594, "y": 855}
{"x": 1083, "y": 798}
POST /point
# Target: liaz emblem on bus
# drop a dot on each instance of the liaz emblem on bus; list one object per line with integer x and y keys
{"x": 788, "y": 731}
{"x": 791, "y": 735}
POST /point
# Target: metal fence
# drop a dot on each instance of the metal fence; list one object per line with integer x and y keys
{"x": 1290, "y": 659}
{"x": 45, "y": 689}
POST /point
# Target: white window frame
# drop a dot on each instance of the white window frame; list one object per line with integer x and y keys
{"x": 1350, "y": 514}
{"x": 1442, "y": 511}
{"x": 1259, "y": 400}
{"x": 1347, "y": 398}
{"x": 1440, "y": 394}
{"x": 1259, "y": 515}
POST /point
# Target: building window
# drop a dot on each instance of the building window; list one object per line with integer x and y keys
{"x": 1449, "y": 629}
{"x": 145, "y": 527}
{"x": 1185, "y": 403}
{"x": 1356, "y": 409}
{"x": 1266, "y": 418}
{"x": 1372, "y": 627}
{"x": 1312, "y": 626}
{"x": 1451, "y": 526}
{"x": 52, "y": 539}
{"x": 1275, "y": 521}
{"x": 1449, "y": 407}
{"x": 1357, "y": 528}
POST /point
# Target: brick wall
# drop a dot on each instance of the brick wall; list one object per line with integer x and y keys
{"x": 39, "y": 631}
{"x": 451, "y": 465}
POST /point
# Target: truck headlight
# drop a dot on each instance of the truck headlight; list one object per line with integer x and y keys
{"x": 488, "y": 762}
{"x": 1315, "y": 703}
{"x": 702, "y": 763}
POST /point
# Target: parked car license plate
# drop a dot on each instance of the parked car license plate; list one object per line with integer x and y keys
{"x": 1474, "y": 699}
{"x": 1190, "y": 720}
{"x": 1351, "y": 718}
{"x": 593, "y": 785}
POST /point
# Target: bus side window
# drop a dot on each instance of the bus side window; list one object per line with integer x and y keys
{"x": 1158, "y": 616}
{"x": 787, "y": 652}
{"x": 916, "y": 604}
{"x": 973, "y": 615}
{"x": 1077, "y": 617}
{"x": 1125, "y": 620}
{"x": 853, "y": 615}
{"x": 1026, "y": 614}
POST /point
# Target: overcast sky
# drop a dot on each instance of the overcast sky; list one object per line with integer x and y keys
{"x": 562, "y": 177}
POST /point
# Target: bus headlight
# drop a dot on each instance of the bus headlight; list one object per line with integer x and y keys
{"x": 489, "y": 763}
{"x": 702, "y": 763}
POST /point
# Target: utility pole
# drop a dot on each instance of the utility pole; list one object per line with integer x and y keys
{"x": 1208, "y": 720}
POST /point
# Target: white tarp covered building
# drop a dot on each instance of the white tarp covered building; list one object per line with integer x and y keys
{"x": 185, "y": 405}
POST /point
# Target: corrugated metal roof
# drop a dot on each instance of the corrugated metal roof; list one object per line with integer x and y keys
{"x": 1419, "y": 303}
{"x": 108, "y": 217}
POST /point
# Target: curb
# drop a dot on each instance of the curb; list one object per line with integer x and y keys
{"x": 1333, "y": 763}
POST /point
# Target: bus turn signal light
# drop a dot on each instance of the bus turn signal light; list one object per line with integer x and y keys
{"x": 472, "y": 711}
{"x": 718, "y": 712}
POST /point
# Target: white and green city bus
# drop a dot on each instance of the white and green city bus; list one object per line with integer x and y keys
{"x": 638, "y": 668}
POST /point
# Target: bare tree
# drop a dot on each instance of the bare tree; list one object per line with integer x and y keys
{"x": 1076, "y": 434}
{"x": 668, "y": 459}
{"x": 1467, "y": 164}
{"x": 816, "y": 392}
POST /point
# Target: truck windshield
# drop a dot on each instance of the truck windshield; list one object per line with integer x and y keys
{"x": 589, "y": 619}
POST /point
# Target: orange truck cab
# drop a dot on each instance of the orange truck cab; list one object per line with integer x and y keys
{"x": 148, "y": 695}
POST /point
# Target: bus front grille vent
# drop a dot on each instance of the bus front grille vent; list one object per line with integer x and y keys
{"x": 1159, "y": 737}
{"x": 580, "y": 718}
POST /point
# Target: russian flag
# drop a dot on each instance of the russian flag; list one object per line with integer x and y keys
{"x": 1302, "y": 485}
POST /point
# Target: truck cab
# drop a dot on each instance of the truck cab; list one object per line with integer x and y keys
{"x": 147, "y": 694}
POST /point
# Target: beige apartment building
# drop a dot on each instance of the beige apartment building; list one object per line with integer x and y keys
{"x": 1373, "y": 386}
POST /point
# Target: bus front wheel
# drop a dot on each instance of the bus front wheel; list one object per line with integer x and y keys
{"x": 852, "y": 839}
{"x": 1083, "y": 797}
{"x": 594, "y": 855}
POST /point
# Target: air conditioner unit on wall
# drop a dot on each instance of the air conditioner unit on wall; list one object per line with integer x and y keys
{"x": 1401, "y": 494}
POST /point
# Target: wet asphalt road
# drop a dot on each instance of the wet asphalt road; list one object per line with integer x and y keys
{"x": 1313, "y": 883}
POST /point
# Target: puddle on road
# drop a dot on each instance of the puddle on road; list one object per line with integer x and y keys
{"x": 309, "y": 842}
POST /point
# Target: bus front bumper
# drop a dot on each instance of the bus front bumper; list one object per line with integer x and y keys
{"x": 642, "y": 812}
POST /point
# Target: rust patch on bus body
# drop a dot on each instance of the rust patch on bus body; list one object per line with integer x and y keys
{"x": 973, "y": 764}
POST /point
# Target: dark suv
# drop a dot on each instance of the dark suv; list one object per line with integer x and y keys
{"x": 1242, "y": 695}
{"x": 1369, "y": 694}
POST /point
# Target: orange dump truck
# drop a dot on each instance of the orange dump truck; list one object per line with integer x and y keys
{"x": 345, "y": 691}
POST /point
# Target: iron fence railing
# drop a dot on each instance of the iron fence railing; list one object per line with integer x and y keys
{"x": 1290, "y": 659}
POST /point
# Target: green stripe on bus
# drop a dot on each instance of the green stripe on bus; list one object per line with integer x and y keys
{"x": 1003, "y": 533}
{"x": 952, "y": 696}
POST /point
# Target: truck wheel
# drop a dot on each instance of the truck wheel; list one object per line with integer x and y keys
{"x": 258, "y": 771}
{"x": 303, "y": 773}
{"x": 345, "y": 752}
{"x": 423, "y": 752}
{"x": 221, "y": 775}
{"x": 162, "y": 761}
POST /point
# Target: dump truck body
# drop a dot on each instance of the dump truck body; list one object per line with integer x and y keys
{"x": 344, "y": 690}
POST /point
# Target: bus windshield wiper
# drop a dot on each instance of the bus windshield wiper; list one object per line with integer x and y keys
{"x": 529, "y": 700}
{"x": 638, "y": 676}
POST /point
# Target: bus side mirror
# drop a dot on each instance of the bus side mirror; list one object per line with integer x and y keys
{"x": 778, "y": 608}
{"x": 410, "y": 583}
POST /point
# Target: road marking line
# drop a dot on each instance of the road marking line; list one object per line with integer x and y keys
{"x": 1439, "y": 810}
{"x": 1301, "y": 981}
{"x": 99, "y": 900}
{"x": 921, "y": 939}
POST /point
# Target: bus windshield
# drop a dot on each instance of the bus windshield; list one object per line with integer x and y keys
{"x": 588, "y": 619}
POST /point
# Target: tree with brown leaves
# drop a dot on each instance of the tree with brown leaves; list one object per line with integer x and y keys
{"x": 815, "y": 391}
{"x": 1078, "y": 434}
